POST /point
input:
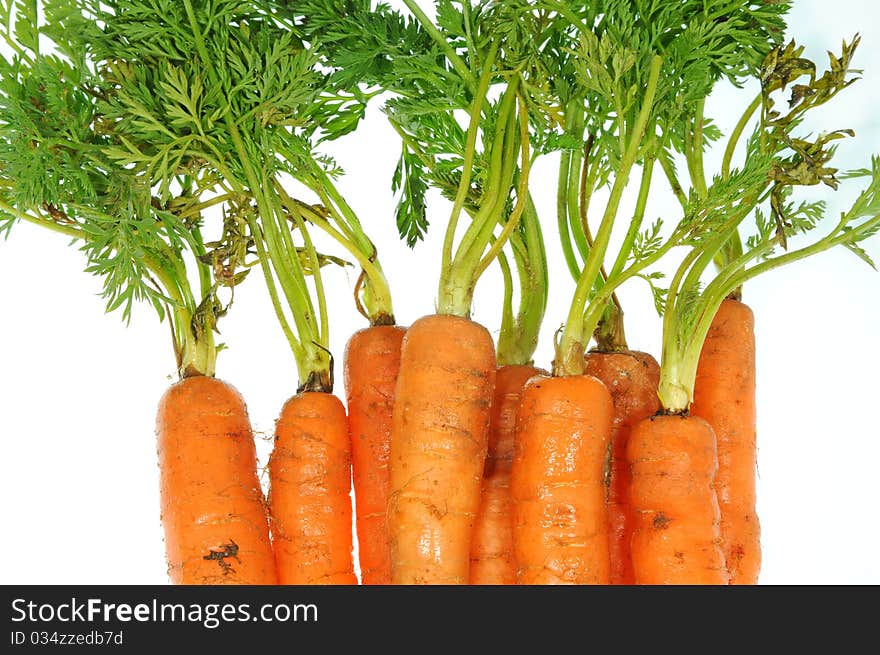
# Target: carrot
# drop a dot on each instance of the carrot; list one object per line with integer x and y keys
{"x": 492, "y": 560}
{"x": 676, "y": 538}
{"x": 216, "y": 531}
{"x": 448, "y": 365}
{"x": 709, "y": 336}
{"x": 560, "y": 525}
{"x": 213, "y": 513}
{"x": 310, "y": 483}
{"x": 438, "y": 447}
{"x": 724, "y": 395}
{"x": 372, "y": 361}
{"x": 632, "y": 379}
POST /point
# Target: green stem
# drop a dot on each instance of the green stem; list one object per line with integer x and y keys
{"x": 577, "y": 210}
{"x": 68, "y": 230}
{"x": 376, "y": 292}
{"x": 507, "y": 340}
{"x": 674, "y": 184}
{"x": 501, "y": 168}
{"x": 522, "y": 194}
{"x": 306, "y": 345}
{"x": 263, "y": 258}
{"x": 473, "y": 54}
{"x": 565, "y": 236}
{"x": 694, "y": 151}
{"x": 737, "y": 134}
{"x": 565, "y": 11}
{"x": 517, "y": 343}
{"x": 835, "y": 238}
{"x": 321, "y": 355}
{"x": 467, "y": 169}
{"x": 637, "y": 219}
{"x": 378, "y": 308}
{"x": 204, "y": 271}
{"x": 733, "y": 248}
{"x": 570, "y": 352}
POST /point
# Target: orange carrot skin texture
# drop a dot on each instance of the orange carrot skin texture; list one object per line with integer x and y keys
{"x": 372, "y": 361}
{"x": 632, "y": 377}
{"x": 439, "y": 439}
{"x": 677, "y": 536}
{"x": 560, "y": 527}
{"x": 213, "y": 512}
{"x": 309, "y": 497}
{"x": 492, "y": 560}
{"x": 724, "y": 395}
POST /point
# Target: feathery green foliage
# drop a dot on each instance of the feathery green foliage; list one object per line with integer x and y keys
{"x": 778, "y": 164}
{"x": 140, "y": 231}
{"x": 639, "y": 73}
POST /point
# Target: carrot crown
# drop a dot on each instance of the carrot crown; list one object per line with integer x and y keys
{"x": 227, "y": 100}
{"x": 777, "y": 164}
{"x": 518, "y": 337}
{"x": 82, "y": 156}
{"x": 633, "y": 74}
{"x": 480, "y": 60}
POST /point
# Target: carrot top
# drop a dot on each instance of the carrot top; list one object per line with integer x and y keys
{"x": 477, "y": 60}
{"x": 228, "y": 92}
{"x": 73, "y": 160}
{"x": 778, "y": 163}
{"x": 518, "y": 337}
{"x": 634, "y": 73}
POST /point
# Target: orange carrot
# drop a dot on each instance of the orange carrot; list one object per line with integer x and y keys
{"x": 560, "y": 527}
{"x": 216, "y": 530}
{"x": 372, "y": 361}
{"x": 724, "y": 395}
{"x": 492, "y": 561}
{"x": 438, "y": 448}
{"x": 632, "y": 378}
{"x": 309, "y": 497}
{"x": 677, "y": 538}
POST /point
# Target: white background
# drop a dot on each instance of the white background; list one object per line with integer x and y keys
{"x": 78, "y": 471}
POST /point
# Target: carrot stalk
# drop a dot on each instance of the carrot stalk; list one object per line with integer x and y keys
{"x": 492, "y": 559}
{"x": 213, "y": 510}
{"x": 372, "y": 361}
{"x": 560, "y": 527}
{"x": 309, "y": 500}
{"x": 439, "y": 439}
{"x": 632, "y": 378}
{"x": 724, "y": 395}
{"x": 677, "y": 534}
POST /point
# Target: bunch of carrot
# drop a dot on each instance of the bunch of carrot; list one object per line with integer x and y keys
{"x": 469, "y": 463}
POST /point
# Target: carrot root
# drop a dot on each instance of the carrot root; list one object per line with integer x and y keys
{"x": 632, "y": 378}
{"x": 724, "y": 395}
{"x": 213, "y": 512}
{"x": 438, "y": 446}
{"x": 492, "y": 559}
{"x": 677, "y": 536}
{"x": 557, "y": 481}
{"x": 310, "y": 487}
{"x": 372, "y": 362}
